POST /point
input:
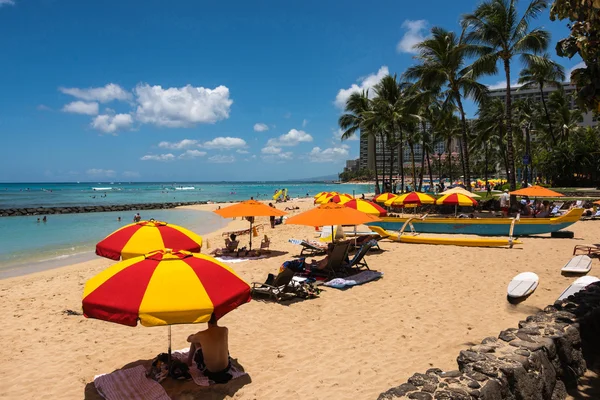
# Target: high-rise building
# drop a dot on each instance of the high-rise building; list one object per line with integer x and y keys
{"x": 519, "y": 94}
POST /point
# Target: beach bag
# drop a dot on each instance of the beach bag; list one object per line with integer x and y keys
{"x": 179, "y": 370}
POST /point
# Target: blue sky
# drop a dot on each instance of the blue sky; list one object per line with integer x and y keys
{"x": 185, "y": 90}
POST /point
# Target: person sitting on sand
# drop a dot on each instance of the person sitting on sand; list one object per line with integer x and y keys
{"x": 210, "y": 350}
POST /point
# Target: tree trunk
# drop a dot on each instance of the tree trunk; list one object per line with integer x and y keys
{"x": 377, "y": 191}
{"x": 510, "y": 151}
{"x": 422, "y": 156}
{"x": 383, "y": 148}
{"x": 547, "y": 115}
{"x": 465, "y": 140}
{"x": 449, "y": 155}
{"x": 412, "y": 160}
{"x": 401, "y": 161}
{"x": 486, "y": 162}
{"x": 430, "y": 173}
{"x": 392, "y": 150}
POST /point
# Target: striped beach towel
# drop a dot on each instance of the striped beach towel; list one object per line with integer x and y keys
{"x": 129, "y": 384}
{"x": 197, "y": 375}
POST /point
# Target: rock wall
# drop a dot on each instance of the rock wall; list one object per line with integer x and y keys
{"x": 539, "y": 360}
{"x": 14, "y": 212}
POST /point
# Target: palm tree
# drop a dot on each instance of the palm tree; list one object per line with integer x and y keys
{"x": 566, "y": 118}
{"x": 498, "y": 34}
{"x": 540, "y": 72}
{"x": 358, "y": 107}
{"x": 442, "y": 69}
{"x": 491, "y": 129}
{"x": 526, "y": 115}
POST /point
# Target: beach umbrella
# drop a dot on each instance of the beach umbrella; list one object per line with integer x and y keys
{"x": 249, "y": 208}
{"x": 457, "y": 199}
{"x": 536, "y": 191}
{"x": 417, "y": 198}
{"x": 324, "y": 198}
{"x": 383, "y": 197}
{"x": 462, "y": 191}
{"x": 142, "y": 237}
{"x": 319, "y": 194}
{"x": 366, "y": 206}
{"x": 164, "y": 287}
{"x": 331, "y": 214}
{"x": 340, "y": 198}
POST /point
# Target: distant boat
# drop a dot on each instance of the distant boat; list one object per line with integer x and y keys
{"x": 185, "y": 188}
{"x": 101, "y": 188}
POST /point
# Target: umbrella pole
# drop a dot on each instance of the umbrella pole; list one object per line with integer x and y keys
{"x": 251, "y": 233}
{"x": 332, "y": 235}
{"x": 169, "y": 346}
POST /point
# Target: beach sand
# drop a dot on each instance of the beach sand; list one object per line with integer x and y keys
{"x": 432, "y": 302}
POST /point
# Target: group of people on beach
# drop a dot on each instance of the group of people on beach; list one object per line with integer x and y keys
{"x": 527, "y": 208}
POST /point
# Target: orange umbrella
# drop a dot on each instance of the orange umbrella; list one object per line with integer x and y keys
{"x": 249, "y": 208}
{"x": 597, "y": 202}
{"x": 331, "y": 214}
{"x": 536, "y": 191}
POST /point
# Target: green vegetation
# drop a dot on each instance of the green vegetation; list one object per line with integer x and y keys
{"x": 528, "y": 140}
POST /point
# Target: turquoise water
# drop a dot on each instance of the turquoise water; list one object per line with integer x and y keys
{"x": 64, "y": 236}
{"x": 19, "y": 195}
{"x": 26, "y": 244}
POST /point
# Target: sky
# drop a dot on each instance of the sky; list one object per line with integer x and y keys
{"x": 198, "y": 91}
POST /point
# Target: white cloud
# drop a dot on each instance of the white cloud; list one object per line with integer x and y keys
{"x": 332, "y": 154}
{"x": 364, "y": 83}
{"x": 415, "y": 33}
{"x": 158, "y": 157}
{"x": 502, "y": 85}
{"x": 184, "y": 144}
{"x": 271, "y": 150}
{"x": 240, "y": 151}
{"x": 112, "y": 123}
{"x": 181, "y": 107}
{"x": 7, "y": 3}
{"x": 304, "y": 123}
{"x": 260, "y": 127}
{"x": 131, "y": 174}
{"x": 292, "y": 138}
{"x": 278, "y": 158}
{"x": 81, "y": 107}
{"x": 576, "y": 66}
{"x": 221, "y": 159}
{"x": 100, "y": 173}
{"x": 224, "y": 143}
{"x": 104, "y": 94}
{"x": 43, "y": 107}
{"x": 337, "y": 135}
{"x": 192, "y": 154}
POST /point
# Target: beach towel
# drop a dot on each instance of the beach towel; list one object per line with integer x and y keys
{"x": 353, "y": 280}
{"x": 129, "y": 384}
{"x": 197, "y": 375}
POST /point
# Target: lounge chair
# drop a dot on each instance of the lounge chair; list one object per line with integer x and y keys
{"x": 592, "y": 217}
{"x": 276, "y": 287}
{"x": 592, "y": 250}
{"x": 358, "y": 261}
{"x": 556, "y": 210}
{"x": 230, "y": 247}
{"x": 309, "y": 248}
{"x": 336, "y": 262}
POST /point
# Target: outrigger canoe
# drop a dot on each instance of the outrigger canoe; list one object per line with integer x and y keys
{"x": 482, "y": 226}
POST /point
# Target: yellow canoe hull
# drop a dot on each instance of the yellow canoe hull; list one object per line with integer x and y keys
{"x": 449, "y": 241}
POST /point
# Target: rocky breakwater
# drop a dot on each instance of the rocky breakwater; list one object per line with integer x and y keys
{"x": 14, "y": 212}
{"x": 539, "y": 360}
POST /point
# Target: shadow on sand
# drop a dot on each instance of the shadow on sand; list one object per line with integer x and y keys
{"x": 184, "y": 390}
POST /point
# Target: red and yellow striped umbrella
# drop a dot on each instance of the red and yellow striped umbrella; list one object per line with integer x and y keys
{"x": 417, "y": 198}
{"x": 340, "y": 198}
{"x": 366, "y": 206}
{"x": 383, "y": 197}
{"x": 142, "y": 237}
{"x": 164, "y": 288}
{"x": 325, "y": 197}
{"x": 456, "y": 199}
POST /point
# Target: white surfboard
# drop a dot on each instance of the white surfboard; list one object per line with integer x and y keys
{"x": 577, "y": 285}
{"x": 523, "y": 284}
{"x": 579, "y": 264}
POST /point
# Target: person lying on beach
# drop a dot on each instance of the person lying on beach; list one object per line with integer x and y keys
{"x": 210, "y": 350}
{"x": 291, "y": 208}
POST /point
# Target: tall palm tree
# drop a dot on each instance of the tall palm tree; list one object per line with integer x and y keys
{"x": 357, "y": 109}
{"x": 526, "y": 115}
{"x": 563, "y": 115}
{"x": 491, "y": 129}
{"x": 499, "y": 34}
{"x": 443, "y": 57}
{"x": 541, "y": 72}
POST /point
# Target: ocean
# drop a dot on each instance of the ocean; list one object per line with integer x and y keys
{"x": 27, "y": 245}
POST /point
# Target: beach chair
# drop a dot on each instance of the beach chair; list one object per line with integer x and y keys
{"x": 309, "y": 248}
{"x": 358, "y": 261}
{"x": 336, "y": 263}
{"x": 230, "y": 247}
{"x": 556, "y": 210}
{"x": 276, "y": 287}
{"x": 265, "y": 243}
{"x": 591, "y": 250}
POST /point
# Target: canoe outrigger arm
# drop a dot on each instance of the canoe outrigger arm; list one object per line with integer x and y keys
{"x": 512, "y": 229}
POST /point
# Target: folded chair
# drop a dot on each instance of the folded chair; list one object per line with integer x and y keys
{"x": 276, "y": 288}
{"x": 308, "y": 248}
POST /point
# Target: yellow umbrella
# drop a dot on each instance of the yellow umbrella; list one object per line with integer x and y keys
{"x": 411, "y": 198}
{"x": 325, "y": 197}
{"x": 366, "y": 206}
{"x": 340, "y": 198}
{"x": 462, "y": 191}
{"x": 384, "y": 197}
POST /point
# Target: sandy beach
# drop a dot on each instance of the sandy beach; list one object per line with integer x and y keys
{"x": 432, "y": 302}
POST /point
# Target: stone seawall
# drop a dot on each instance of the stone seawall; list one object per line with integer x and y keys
{"x": 539, "y": 360}
{"x": 14, "y": 212}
